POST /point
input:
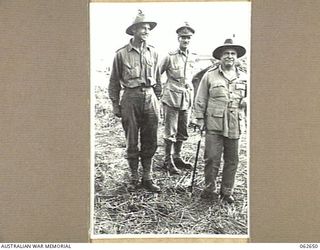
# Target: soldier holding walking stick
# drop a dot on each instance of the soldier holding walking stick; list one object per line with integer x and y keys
{"x": 219, "y": 108}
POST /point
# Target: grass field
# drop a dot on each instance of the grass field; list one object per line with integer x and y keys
{"x": 175, "y": 210}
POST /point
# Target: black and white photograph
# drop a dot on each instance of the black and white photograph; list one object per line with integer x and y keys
{"x": 170, "y": 119}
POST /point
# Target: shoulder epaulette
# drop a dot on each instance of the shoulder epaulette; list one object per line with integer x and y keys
{"x": 213, "y": 67}
{"x": 121, "y": 48}
{"x": 173, "y": 52}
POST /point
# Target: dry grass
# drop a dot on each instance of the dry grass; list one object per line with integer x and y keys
{"x": 174, "y": 210}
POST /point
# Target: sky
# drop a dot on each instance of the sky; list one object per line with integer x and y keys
{"x": 213, "y": 23}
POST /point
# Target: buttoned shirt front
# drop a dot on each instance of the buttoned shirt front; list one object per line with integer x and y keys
{"x": 180, "y": 68}
{"x": 218, "y": 102}
{"x": 133, "y": 68}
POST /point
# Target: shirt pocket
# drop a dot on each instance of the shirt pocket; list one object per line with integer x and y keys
{"x": 215, "y": 119}
{"x": 176, "y": 72}
{"x": 240, "y": 89}
{"x": 130, "y": 71}
{"x": 190, "y": 64}
{"x": 218, "y": 91}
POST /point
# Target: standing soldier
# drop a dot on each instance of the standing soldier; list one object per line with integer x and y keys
{"x": 219, "y": 108}
{"x": 135, "y": 69}
{"x": 177, "y": 99}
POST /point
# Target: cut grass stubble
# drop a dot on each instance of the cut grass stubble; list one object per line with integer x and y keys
{"x": 175, "y": 210}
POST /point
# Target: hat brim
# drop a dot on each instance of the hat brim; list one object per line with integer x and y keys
{"x": 130, "y": 28}
{"x": 238, "y": 48}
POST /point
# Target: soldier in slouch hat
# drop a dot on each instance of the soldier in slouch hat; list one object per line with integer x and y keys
{"x": 219, "y": 109}
{"x": 135, "y": 70}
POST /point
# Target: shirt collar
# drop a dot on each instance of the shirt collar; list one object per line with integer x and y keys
{"x": 221, "y": 71}
{"x": 182, "y": 52}
{"x": 130, "y": 47}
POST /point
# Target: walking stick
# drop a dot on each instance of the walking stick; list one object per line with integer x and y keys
{"x": 196, "y": 162}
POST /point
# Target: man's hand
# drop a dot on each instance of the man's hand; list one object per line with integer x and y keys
{"x": 158, "y": 90}
{"x": 200, "y": 123}
{"x": 116, "y": 110}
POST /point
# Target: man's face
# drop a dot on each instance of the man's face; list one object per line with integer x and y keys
{"x": 141, "y": 31}
{"x": 229, "y": 57}
{"x": 184, "y": 42}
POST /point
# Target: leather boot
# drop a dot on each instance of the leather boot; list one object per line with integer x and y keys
{"x": 147, "y": 182}
{"x": 209, "y": 192}
{"x": 168, "y": 162}
{"x": 134, "y": 183}
{"x": 226, "y": 195}
{"x": 177, "y": 158}
{"x": 227, "y": 198}
{"x": 150, "y": 186}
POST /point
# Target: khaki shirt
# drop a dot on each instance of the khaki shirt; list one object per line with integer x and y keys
{"x": 132, "y": 68}
{"x": 180, "y": 68}
{"x": 218, "y": 101}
